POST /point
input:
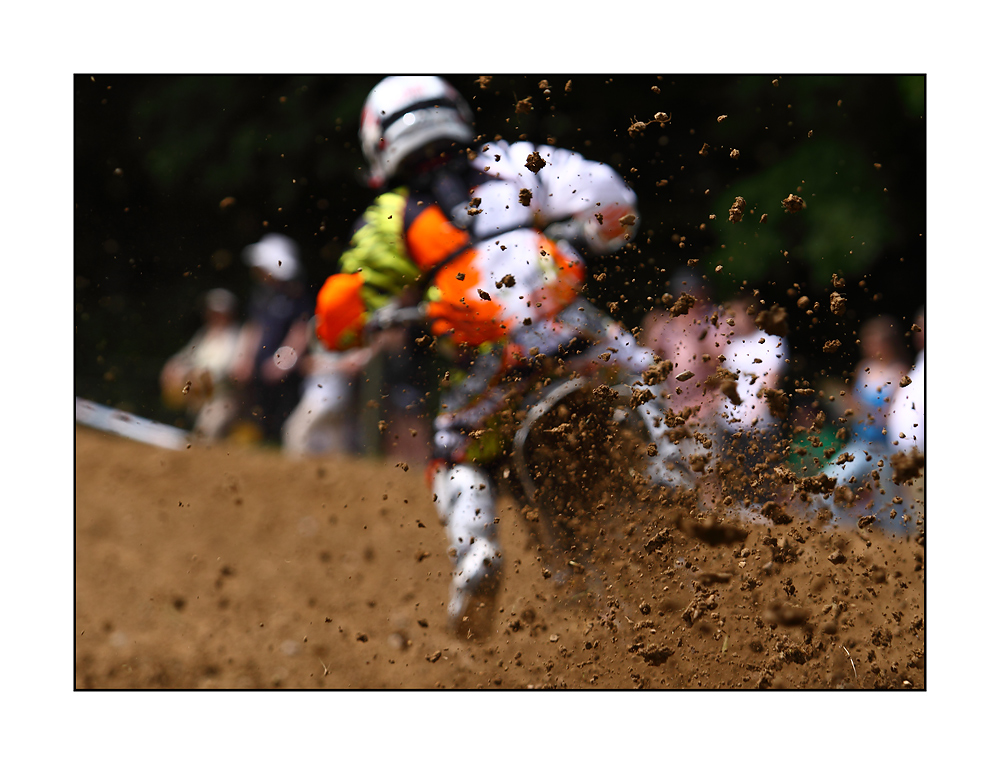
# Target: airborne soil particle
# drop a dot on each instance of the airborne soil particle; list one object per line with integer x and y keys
{"x": 793, "y": 203}
{"x": 535, "y": 162}
{"x": 737, "y": 209}
{"x": 602, "y": 391}
{"x": 906, "y": 466}
{"x": 774, "y": 321}
{"x": 838, "y": 304}
{"x": 637, "y": 128}
{"x": 657, "y": 372}
{"x": 777, "y": 402}
{"x": 683, "y": 305}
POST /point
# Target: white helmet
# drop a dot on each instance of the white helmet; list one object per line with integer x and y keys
{"x": 404, "y": 114}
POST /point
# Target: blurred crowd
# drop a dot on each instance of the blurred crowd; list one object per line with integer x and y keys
{"x": 259, "y": 375}
{"x": 743, "y": 417}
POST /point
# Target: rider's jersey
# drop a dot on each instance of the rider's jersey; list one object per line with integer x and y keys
{"x": 484, "y": 267}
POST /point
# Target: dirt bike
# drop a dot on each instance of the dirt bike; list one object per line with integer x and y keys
{"x": 587, "y": 459}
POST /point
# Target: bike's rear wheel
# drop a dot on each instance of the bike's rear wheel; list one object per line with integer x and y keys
{"x": 582, "y": 457}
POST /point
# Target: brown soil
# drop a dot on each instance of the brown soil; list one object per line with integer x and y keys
{"x": 233, "y": 567}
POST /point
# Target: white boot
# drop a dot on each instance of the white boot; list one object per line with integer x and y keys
{"x": 466, "y": 503}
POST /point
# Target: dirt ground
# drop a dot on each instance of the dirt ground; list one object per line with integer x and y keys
{"x": 234, "y": 567}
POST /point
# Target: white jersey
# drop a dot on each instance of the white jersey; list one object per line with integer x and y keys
{"x": 757, "y": 359}
{"x": 514, "y": 275}
{"x": 566, "y": 186}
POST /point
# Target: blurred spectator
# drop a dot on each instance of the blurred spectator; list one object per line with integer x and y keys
{"x": 275, "y": 335}
{"x": 325, "y": 421}
{"x": 906, "y": 420}
{"x": 876, "y": 378}
{"x": 906, "y": 425}
{"x": 197, "y": 377}
{"x": 748, "y": 409}
{"x": 862, "y": 469}
{"x": 687, "y": 336}
{"x": 335, "y": 415}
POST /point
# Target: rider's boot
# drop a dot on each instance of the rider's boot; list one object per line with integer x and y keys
{"x": 466, "y": 503}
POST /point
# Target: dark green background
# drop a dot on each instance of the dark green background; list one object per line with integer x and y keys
{"x": 155, "y": 156}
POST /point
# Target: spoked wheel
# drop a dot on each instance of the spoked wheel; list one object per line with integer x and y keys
{"x": 581, "y": 455}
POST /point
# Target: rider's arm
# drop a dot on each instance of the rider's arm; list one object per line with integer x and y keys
{"x": 589, "y": 195}
{"x": 374, "y": 270}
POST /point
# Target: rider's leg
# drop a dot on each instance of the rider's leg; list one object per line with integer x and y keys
{"x": 466, "y": 503}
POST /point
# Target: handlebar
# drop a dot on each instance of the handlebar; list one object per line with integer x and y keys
{"x": 392, "y": 315}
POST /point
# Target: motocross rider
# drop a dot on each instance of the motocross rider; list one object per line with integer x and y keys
{"x": 469, "y": 232}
